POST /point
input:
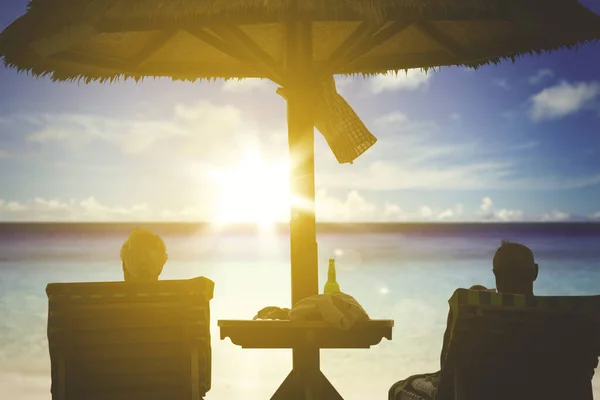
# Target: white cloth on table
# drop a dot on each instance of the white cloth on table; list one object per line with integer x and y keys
{"x": 338, "y": 309}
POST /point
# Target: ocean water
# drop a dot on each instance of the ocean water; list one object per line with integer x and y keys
{"x": 405, "y": 273}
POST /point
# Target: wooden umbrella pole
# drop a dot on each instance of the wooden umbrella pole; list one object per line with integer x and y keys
{"x": 306, "y": 381}
{"x": 300, "y": 109}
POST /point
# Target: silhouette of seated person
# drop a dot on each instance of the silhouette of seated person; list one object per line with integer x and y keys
{"x": 142, "y": 339}
{"x": 143, "y": 256}
{"x": 515, "y": 271}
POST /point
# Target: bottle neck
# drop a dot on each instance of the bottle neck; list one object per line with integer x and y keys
{"x": 331, "y": 273}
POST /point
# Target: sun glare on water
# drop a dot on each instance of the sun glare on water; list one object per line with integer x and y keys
{"x": 253, "y": 191}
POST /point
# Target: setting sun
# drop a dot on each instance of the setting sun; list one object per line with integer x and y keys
{"x": 253, "y": 191}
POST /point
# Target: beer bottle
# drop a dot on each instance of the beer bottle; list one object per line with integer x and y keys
{"x": 331, "y": 286}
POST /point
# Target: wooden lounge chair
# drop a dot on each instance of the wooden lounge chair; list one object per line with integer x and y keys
{"x": 516, "y": 347}
{"x": 127, "y": 341}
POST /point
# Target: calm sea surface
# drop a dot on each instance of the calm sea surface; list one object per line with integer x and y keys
{"x": 405, "y": 273}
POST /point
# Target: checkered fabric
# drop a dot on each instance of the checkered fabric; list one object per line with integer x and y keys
{"x": 346, "y": 135}
{"x": 482, "y": 299}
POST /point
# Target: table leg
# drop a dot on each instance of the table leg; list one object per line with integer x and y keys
{"x": 306, "y": 381}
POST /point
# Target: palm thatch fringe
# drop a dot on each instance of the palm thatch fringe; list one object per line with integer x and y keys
{"x": 74, "y": 74}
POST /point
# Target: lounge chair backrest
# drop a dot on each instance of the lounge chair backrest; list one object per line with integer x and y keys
{"x": 122, "y": 340}
{"x": 506, "y": 346}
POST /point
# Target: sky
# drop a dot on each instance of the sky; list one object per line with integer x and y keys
{"x": 512, "y": 142}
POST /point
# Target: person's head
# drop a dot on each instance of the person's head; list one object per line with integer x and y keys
{"x": 514, "y": 268}
{"x": 143, "y": 256}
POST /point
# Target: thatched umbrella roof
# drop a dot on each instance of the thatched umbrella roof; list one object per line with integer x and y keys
{"x": 300, "y": 44}
{"x": 207, "y": 39}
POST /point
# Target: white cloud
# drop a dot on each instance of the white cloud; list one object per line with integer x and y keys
{"x": 563, "y": 99}
{"x": 487, "y": 207}
{"x": 199, "y": 129}
{"x": 342, "y": 83}
{"x": 595, "y": 215}
{"x": 208, "y": 128}
{"x": 78, "y": 131}
{"x": 555, "y": 216}
{"x": 352, "y": 208}
{"x": 453, "y": 213}
{"x": 540, "y": 76}
{"x": 413, "y": 79}
{"x": 562, "y": 183}
{"x": 92, "y": 209}
{"x": 246, "y": 85}
{"x": 413, "y": 172}
{"x": 393, "y": 212}
{"x": 395, "y": 117}
{"x": 414, "y": 154}
{"x": 417, "y": 155}
{"x": 88, "y": 210}
{"x": 410, "y": 153}
{"x": 205, "y": 111}
{"x": 526, "y": 145}
{"x": 185, "y": 214}
{"x": 415, "y": 141}
{"x": 488, "y": 212}
{"x": 356, "y": 208}
{"x": 12, "y": 206}
{"x": 502, "y": 83}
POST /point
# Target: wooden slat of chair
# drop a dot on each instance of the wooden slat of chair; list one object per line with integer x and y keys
{"x": 121, "y": 351}
{"x": 116, "y": 340}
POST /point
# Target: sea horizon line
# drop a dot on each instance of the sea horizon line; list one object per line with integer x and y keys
{"x": 163, "y": 227}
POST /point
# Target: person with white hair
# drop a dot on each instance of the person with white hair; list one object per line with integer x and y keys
{"x": 143, "y": 255}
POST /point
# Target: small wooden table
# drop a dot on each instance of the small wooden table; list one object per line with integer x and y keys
{"x": 305, "y": 338}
